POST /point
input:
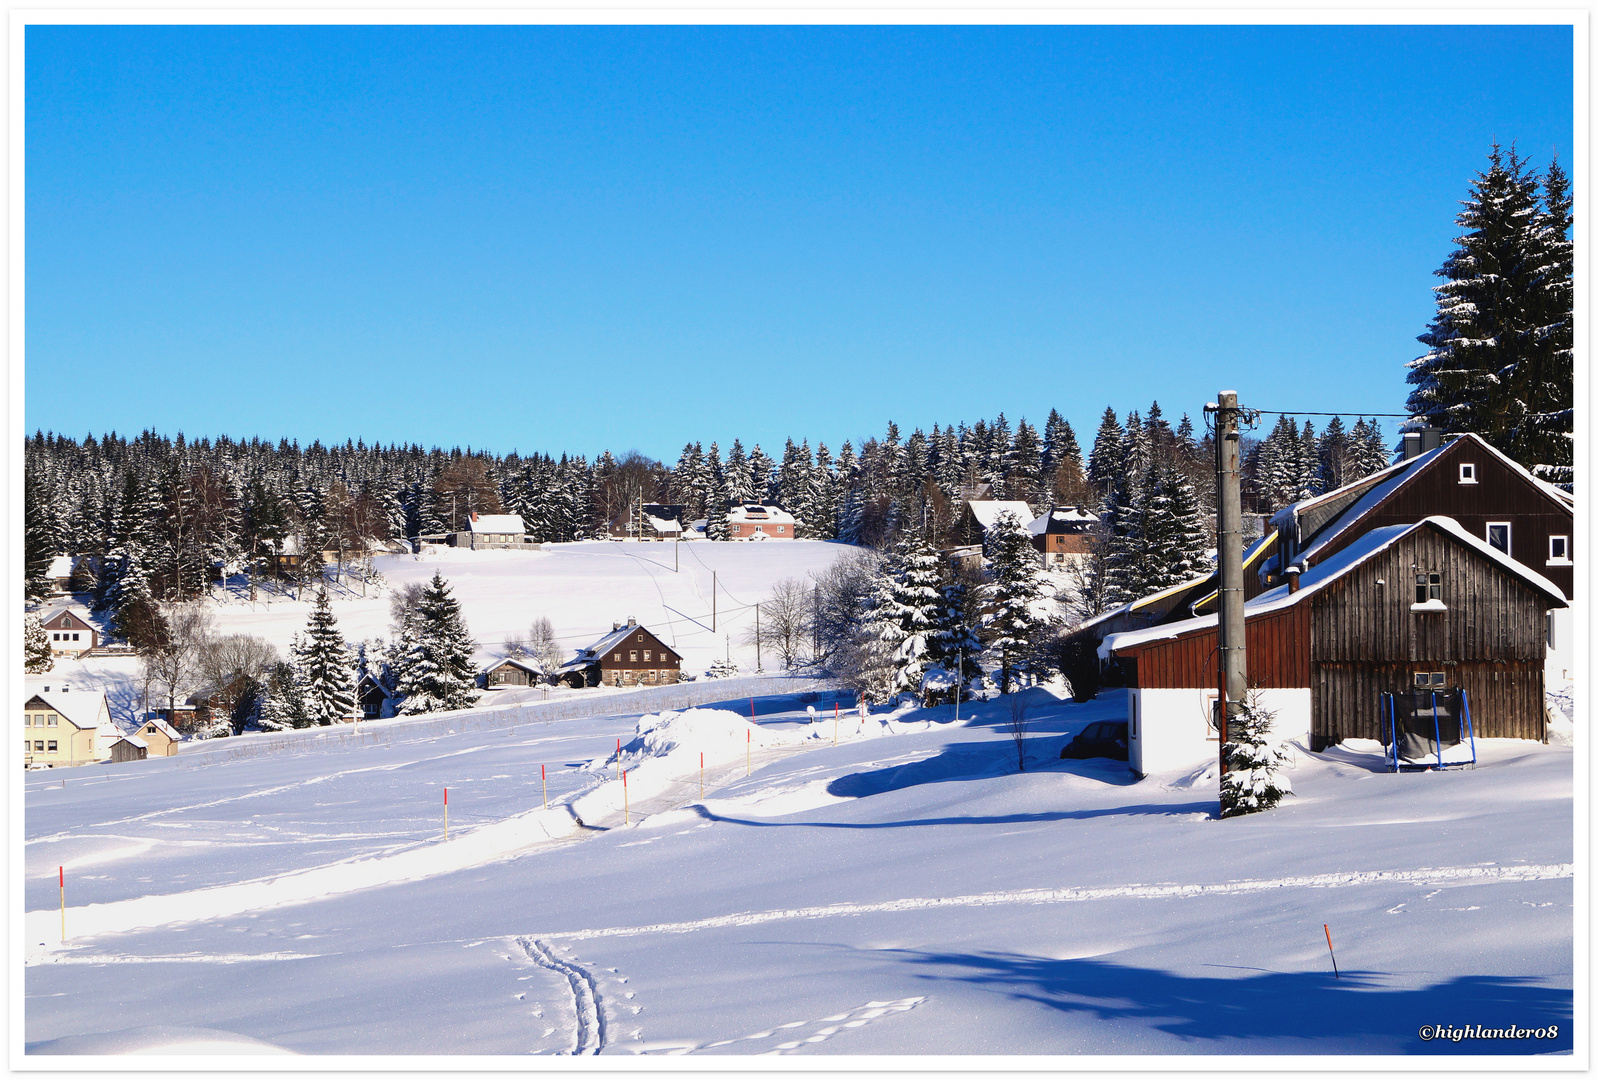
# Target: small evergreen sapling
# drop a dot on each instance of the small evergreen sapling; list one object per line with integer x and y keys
{"x": 1254, "y": 779}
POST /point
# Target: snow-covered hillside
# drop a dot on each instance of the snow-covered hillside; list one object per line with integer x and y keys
{"x": 583, "y": 589}
{"x": 905, "y": 891}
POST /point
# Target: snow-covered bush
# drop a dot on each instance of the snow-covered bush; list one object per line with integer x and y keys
{"x": 1254, "y": 779}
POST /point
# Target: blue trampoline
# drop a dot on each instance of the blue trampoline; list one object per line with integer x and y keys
{"x": 1428, "y": 729}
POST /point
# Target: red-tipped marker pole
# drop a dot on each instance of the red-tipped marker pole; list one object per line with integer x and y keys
{"x": 62, "y": 870}
{"x": 446, "y": 813}
{"x": 1329, "y": 949}
{"x": 544, "y": 782}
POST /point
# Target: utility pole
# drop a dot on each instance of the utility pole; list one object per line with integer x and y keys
{"x": 1233, "y": 674}
{"x": 759, "y": 669}
{"x": 712, "y": 601}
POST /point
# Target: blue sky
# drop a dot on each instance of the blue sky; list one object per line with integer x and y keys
{"x": 564, "y": 239}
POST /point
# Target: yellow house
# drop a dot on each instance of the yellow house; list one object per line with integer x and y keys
{"x": 160, "y": 737}
{"x": 62, "y": 726}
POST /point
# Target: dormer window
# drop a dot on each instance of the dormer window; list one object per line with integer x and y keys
{"x": 1467, "y": 472}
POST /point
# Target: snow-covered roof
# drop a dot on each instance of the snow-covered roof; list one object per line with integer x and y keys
{"x": 83, "y": 708}
{"x": 50, "y": 614}
{"x": 528, "y": 665}
{"x": 1324, "y": 573}
{"x": 593, "y": 652}
{"x": 163, "y": 727}
{"x": 60, "y": 566}
{"x": 761, "y": 513}
{"x": 496, "y": 523}
{"x": 987, "y": 511}
{"x": 134, "y": 740}
{"x": 1060, "y": 515}
{"x": 1378, "y": 487}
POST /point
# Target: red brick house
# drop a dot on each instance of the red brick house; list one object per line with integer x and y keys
{"x": 758, "y": 522}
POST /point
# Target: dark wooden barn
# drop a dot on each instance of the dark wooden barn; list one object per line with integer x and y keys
{"x": 1405, "y": 606}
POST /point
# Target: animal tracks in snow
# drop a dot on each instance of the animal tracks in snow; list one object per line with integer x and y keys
{"x": 795, "y": 1034}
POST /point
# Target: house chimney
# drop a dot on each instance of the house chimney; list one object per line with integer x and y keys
{"x": 1411, "y": 444}
{"x": 474, "y": 515}
{"x": 614, "y": 627}
{"x": 1292, "y": 578}
{"x": 632, "y": 621}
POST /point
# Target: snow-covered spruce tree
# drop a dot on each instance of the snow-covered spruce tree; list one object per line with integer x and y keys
{"x": 1485, "y": 322}
{"x": 1010, "y": 628}
{"x": 36, "y": 656}
{"x": 434, "y": 669}
{"x": 955, "y": 646}
{"x": 326, "y": 667}
{"x": 907, "y": 613}
{"x": 1254, "y": 779}
{"x": 1541, "y": 421}
{"x": 281, "y": 703}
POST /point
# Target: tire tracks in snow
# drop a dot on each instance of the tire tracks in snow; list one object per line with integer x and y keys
{"x": 1452, "y": 874}
{"x": 589, "y": 1037}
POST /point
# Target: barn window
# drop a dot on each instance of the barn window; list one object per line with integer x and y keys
{"x": 646, "y": 656}
{"x": 1430, "y": 680}
{"x": 1558, "y": 550}
{"x": 1467, "y": 472}
{"x": 632, "y": 656}
{"x": 1498, "y": 535}
{"x": 1428, "y": 587}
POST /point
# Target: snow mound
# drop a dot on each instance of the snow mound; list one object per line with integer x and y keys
{"x": 158, "y": 1039}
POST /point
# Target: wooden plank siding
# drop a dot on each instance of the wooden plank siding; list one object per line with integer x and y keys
{"x": 1278, "y": 647}
{"x": 1506, "y": 698}
{"x": 1490, "y": 616}
{"x": 1500, "y": 493}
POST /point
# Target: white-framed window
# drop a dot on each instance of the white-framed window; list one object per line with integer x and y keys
{"x": 1467, "y": 472}
{"x": 50, "y": 746}
{"x": 55, "y": 637}
{"x": 1558, "y": 550}
{"x": 38, "y": 744}
{"x": 26, "y": 746}
{"x": 1498, "y": 535}
{"x": 74, "y": 637}
{"x": 1430, "y": 680}
{"x": 1428, "y": 592}
{"x": 50, "y": 719}
{"x": 1212, "y": 716}
{"x": 632, "y": 656}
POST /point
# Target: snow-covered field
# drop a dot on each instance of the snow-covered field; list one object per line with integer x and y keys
{"x": 903, "y": 892}
{"x": 583, "y": 589}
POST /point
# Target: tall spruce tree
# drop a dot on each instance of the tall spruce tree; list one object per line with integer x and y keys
{"x": 326, "y": 667}
{"x": 908, "y": 610}
{"x": 1010, "y": 628}
{"x": 1486, "y": 324}
{"x": 433, "y": 665}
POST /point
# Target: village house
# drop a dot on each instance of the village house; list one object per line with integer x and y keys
{"x": 492, "y": 531}
{"x": 627, "y": 656}
{"x": 63, "y": 727}
{"x": 1423, "y": 606}
{"x": 978, "y": 515}
{"x": 1465, "y": 478}
{"x": 513, "y": 671}
{"x": 755, "y": 521}
{"x": 59, "y": 573}
{"x": 71, "y": 633}
{"x": 377, "y": 702}
{"x": 1063, "y": 535}
{"x": 160, "y": 737}
{"x": 651, "y": 521}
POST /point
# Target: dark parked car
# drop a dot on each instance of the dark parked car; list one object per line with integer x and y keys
{"x": 1107, "y": 738}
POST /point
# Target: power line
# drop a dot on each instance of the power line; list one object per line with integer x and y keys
{"x": 1345, "y": 412}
